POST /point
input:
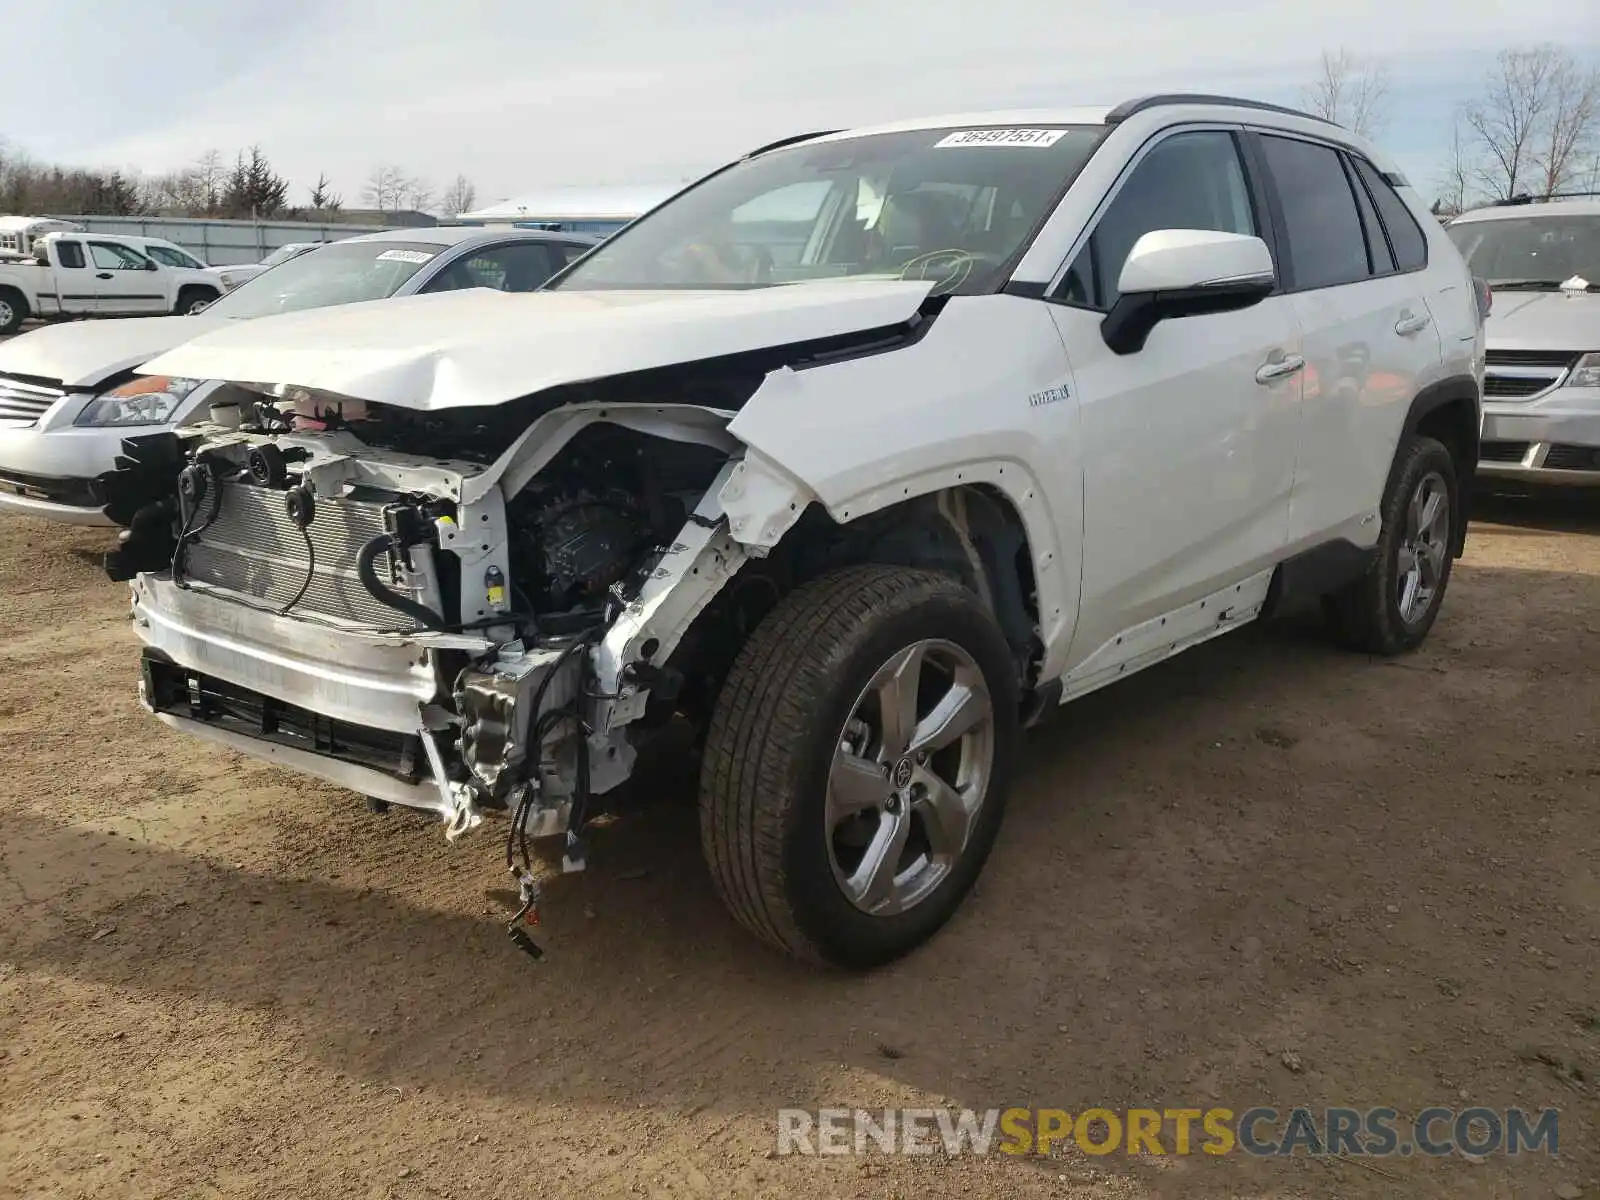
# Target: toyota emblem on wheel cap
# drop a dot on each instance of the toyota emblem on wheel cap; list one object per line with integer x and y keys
{"x": 901, "y": 775}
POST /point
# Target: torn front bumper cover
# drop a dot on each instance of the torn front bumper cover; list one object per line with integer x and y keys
{"x": 363, "y": 711}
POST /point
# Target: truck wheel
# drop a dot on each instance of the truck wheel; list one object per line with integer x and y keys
{"x": 1391, "y": 608}
{"x": 857, "y": 764}
{"x": 13, "y": 310}
{"x": 192, "y": 300}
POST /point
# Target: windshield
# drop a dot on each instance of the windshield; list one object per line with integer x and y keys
{"x": 949, "y": 205}
{"x": 342, "y": 273}
{"x": 1539, "y": 249}
{"x": 171, "y": 256}
{"x": 284, "y": 253}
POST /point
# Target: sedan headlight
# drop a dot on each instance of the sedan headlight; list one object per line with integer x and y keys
{"x": 1586, "y": 373}
{"x": 147, "y": 400}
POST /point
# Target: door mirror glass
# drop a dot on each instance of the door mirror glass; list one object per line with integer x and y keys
{"x": 1173, "y": 273}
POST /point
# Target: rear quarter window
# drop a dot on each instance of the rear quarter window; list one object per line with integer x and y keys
{"x": 1405, "y": 235}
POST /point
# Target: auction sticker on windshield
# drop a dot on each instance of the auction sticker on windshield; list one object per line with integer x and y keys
{"x": 1001, "y": 137}
{"x": 410, "y": 256}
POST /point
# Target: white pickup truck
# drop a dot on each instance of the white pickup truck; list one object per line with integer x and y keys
{"x": 97, "y": 275}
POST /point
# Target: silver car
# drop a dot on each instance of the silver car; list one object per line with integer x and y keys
{"x": 1541, "y": 392}
{"x": 68, "y": 393}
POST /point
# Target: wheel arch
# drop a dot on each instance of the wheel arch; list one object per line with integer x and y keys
{"x": 188, "y": 291}
{"x": 1449, "y": 412}
{"x": 971, "y": 530}
{"x": 1018, "y": 541}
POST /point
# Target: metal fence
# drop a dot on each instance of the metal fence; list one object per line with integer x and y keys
{"x": 224, "y": 243}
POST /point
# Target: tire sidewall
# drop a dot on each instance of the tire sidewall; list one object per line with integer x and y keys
{"x": 18, "y": 312}
{"x": 844, "y": 933}
{"x": 1427, "y": 456}
{"x": 190, "y": 297}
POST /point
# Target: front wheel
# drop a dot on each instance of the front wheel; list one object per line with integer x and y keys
{"x": 857, "y": 765}
{"x": 193, "y": 300}
{"x": 1391, "y": 608}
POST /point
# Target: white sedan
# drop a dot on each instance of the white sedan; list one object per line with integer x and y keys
{"x": 233, "y": 276}
{"x": 68, "y": 393}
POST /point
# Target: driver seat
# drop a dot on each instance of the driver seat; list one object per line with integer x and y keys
{"x": 911, "y": 224}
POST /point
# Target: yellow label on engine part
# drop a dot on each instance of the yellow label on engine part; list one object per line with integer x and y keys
{"x": 497, "y": 595}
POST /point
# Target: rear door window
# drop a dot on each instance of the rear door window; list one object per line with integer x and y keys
{"x": 70, "y": 254}
{"x": 1322, "y": 225}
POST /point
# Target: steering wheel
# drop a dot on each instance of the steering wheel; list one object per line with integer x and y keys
{"x": 948, "y": 268}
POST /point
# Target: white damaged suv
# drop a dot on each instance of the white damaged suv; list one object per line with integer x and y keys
{"x": 859, "y": 455}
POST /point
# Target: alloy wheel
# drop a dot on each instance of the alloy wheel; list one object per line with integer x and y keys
{"x": 910, "y": 773}
{"x": 1424, "y": 547}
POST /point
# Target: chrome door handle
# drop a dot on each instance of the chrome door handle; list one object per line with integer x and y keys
{"x": 1279, "y": 368}
{"x": 1408, "y": 324}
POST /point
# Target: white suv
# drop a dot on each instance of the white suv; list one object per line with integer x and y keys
{"x": 859, "y": 454}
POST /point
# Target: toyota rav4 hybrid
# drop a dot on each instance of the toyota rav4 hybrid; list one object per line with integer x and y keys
{"x": 1541, "y": 419}
{"x": 858, "y": 455}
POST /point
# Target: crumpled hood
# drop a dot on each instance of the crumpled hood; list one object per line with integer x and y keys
{"x": 84, "y": 354}
{"x": 487, "y": 347}
{"x": 1544, "y": 321}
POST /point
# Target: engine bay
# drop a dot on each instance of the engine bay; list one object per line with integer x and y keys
{"x": 422, "y": 627}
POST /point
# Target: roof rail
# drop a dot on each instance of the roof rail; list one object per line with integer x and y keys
{"x": 790, "y": 141}
{"x": 1526, "y": 198}
{"x": 1129, "y": 107}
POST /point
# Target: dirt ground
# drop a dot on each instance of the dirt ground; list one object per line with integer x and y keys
{"x": 1264, "y": 873}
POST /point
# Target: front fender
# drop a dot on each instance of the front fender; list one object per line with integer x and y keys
{"x": 984, "y": 397}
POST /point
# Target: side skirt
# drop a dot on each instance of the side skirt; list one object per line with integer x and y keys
{"x": 1161, "y": 637}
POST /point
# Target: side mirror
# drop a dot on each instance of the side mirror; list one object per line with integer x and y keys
{"x": 150, "y": 265}
{"x": 1173, "y": 273}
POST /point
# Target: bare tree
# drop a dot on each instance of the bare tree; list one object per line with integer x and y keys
{"x": 1349, "y": 91}
{"x": 1530, "y": 127}
{"x": 383, "y": 188}
{"x": 459, "y": 197}
{"x": 210, "y": 177}
{"x": 1569, "y": 133}
{"x": 416, "y": 193}
{"x": 1456, "y": 174}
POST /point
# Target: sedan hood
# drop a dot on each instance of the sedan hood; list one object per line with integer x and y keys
{"x": 487, "y": 347}
{"x": 1544, "y": 321}
{"x": 85, "y": 354}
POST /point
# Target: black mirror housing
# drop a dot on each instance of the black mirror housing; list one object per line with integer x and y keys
{"x": 1127, "y": 326}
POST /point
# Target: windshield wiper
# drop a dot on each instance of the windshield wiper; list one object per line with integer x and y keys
{"x": 1524, "y": 285}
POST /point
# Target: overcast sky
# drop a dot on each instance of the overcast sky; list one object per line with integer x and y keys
{"x": 523, "y": 95}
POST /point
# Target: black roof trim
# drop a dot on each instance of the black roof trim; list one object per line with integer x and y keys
{"x": 1129, "y": 107}
{"x": 1540, "y": 197}
{"x": 790, "y": 141}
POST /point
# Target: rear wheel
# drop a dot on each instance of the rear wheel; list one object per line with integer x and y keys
{"x": 13, "y": 310}
{"x": 1391, "y": 608}
{"x": 857, "y": 765}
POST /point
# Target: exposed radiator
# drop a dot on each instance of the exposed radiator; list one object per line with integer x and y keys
{"x": 253, "y": 549}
